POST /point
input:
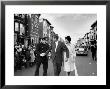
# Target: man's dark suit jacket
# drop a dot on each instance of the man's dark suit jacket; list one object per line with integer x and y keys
{"x": 41, "y": 48}
{"x": 57, "y": 56}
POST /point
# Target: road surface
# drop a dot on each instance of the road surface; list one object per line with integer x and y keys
{"x": 85, "y": 66}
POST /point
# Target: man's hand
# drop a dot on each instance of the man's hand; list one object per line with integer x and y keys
{"x": 66, "y": 60}
{"x": 42, "y": 54}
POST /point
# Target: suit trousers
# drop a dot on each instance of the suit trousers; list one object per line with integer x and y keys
{"x": 44, "y": 61}
{"x": 57, "y": 68}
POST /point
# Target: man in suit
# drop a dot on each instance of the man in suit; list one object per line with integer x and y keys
{"x": 58, "y": 48}
{"x": 41, "y": 52}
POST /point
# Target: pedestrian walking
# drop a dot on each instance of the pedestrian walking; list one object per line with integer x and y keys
{"x": 69, "y": 63}
{"x": 58, "y": 48}
{"x": 93, "y": 50}
{"x": 41, "y": 53}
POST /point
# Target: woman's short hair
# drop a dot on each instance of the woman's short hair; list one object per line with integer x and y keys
{"x": 68, "y": 38}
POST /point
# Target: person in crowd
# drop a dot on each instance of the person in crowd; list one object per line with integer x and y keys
{"x": 69, "y": 63}
{"x": 93, "y": 50}
{"x": 26, "y": 53}
{"x": 28, "y": 56}
{"x": 23, "y": 55}
{"x": 58, "y": 48}
{"x": 19, "y": 53}
{"x": 16, "y": 58}
{"x": 41, "y": 52}
{"x": 32, "y": 56}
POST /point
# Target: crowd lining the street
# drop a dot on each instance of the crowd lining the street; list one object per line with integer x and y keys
{"x": 26, "y": 56}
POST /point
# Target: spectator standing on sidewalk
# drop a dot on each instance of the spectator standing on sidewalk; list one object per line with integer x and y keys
{"x": 32, "y": 56}
{"x": 19, "y": 51}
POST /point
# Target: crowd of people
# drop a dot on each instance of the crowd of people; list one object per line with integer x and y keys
{"x": 23, "y": 56}
{"x": 62, "y": 54}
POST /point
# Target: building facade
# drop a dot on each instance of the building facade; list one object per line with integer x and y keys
{"x": 46, "y": 28}
{"x": 34, "y": 28}
{"x": 21, "y": 29}
{"x": 93, "y": 33}
{"x": 51, "y": 34}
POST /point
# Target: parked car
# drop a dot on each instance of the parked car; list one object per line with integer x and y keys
{"x": 82, "y": 50}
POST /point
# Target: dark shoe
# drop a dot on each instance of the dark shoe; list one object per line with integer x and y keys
{"x": 36, "y": 75}
{"x": 45, "y": 74}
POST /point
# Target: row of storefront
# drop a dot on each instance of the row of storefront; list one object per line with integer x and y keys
{"x": 90, "y": 37}
{"x": 28, "y": 28}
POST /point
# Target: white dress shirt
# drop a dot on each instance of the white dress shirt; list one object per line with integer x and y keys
{"x": 56, "y": 45}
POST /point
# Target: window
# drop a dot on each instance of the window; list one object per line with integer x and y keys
{"x": 22, "y": 30}
{"x": 16, "y": 26}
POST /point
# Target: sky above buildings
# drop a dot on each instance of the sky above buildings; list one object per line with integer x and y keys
{"x": 74, "y": 25}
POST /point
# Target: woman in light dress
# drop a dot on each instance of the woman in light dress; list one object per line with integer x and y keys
{"x": 69, "y": 63}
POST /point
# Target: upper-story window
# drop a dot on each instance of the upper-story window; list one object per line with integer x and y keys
{"x": 22, "y": 30}
{"x": 16, "y": 26}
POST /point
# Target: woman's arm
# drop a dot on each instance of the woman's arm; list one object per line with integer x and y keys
{"x": 73, "y": 52}
{"x": 64, "y": 47}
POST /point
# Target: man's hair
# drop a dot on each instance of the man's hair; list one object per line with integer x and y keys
{"x": 56, "y": 36}
{"x": 68, "y": 38}
{"x": 40, "y": 39}
{"x": 44, "y": 38}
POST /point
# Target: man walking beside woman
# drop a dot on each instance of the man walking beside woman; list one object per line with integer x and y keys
{"x": 63, "y": 53}
{"x": 58, "y": 48}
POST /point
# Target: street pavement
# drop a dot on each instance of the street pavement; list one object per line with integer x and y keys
{"x": 85, "y": 66}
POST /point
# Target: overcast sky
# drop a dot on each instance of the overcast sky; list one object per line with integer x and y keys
{"x": 74, "y": 25}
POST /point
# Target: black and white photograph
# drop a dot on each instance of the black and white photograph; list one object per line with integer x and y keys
{"x": 55, "y": 44}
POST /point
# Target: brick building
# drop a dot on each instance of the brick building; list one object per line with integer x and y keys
{"x": 34, "y": 28}
{"x": 21, "y": 29}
